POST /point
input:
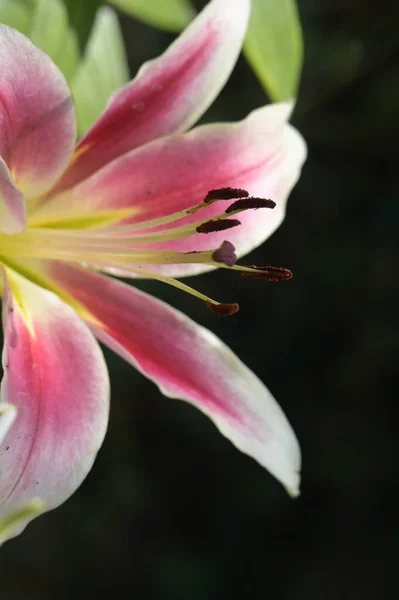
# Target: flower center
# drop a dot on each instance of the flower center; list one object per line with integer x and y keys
{"x": 126, "y": 248}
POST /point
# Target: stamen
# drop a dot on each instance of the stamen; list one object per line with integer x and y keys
{"x": 250, "y": 203}
{"x": 129, "y": 235}
{"x": 223, "y": 310}
{"x": 217, "y": 225}
{"x": 127, "y": 247}
{"x": 216, "y": 307}
{"x": 225, "y": 254}
{"x": 269, "y": 274}
{"x": 227, "y": 193}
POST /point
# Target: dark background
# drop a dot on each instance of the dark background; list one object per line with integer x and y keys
{"x": 171, "y": 510}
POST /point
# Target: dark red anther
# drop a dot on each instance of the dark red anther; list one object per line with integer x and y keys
{"x": 223, "y": 310}
{"x": 225, "y": 254}
{"x": 269, "y": 274}
{"x": 227, "y": 193}
{"x": 250, "y": 203}
{"x": 217, "y": 225}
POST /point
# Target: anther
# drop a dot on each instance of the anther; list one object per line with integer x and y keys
{"x": 223, "y": 310}
{"x": 250, "y": 203}
{"x": 217, "y": 225}
{"x": 227, "y": 193}
{"x": 225, "y": 254}
{"x": 269, "y": 274}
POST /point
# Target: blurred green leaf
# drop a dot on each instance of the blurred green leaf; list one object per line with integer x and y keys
{"x": 50, "y": 31}
{"x": 82, "y": 15}
{"x": 171, "y": 15}
{"x": 102, "y": 70}
{"x": 274, "y": 46}
{"x": 17, "y": 14}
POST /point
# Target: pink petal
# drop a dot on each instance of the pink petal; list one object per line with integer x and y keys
{"x": 187, "y": 361}
{"x": 37, "y": 122}
{"x": 169, "y": 93}
{"x": 12, "y": 203}
{"x": 261, "y": 154}
{"x": 55, "y": 375}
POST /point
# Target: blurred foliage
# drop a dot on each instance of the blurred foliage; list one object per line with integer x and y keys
{"x": 94, "y": 61}
{"x": 16, "y": 14}
{"x": 102, "y": 70}
{"x": 171, "y": 510}
{"x": 274, "y": 47}
{"x": 47, "y": 18}
{"x": 171, "y": 15}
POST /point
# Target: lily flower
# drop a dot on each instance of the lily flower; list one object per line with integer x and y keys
{"x": 131, "y": 198}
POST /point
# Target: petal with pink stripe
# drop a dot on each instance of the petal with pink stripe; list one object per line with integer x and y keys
{"x": 262, "y": 154}
{"x": 55, "y": 375}
{"x": 37, "y": 120}
{"x": 169, "y": 93}
{"x": 187, "y": 361}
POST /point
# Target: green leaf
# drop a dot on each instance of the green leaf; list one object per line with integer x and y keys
{"x": 102, "y": 70}
{"x": 274, "y": 47}
{"x": 17, "y": 14}
{"x": 172, "y": 15}
{"x": 82, "y": 14}
{"x": 50, "y": 31}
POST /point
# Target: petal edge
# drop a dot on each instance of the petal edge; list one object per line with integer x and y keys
{"x": 169, "y": 93}
{"x": 188, "y": 362}
{"x": 55, "y": 374}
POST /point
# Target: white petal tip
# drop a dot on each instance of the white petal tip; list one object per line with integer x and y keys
{"x": 17, "y": 519}
{"x": 293, "y": 490}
